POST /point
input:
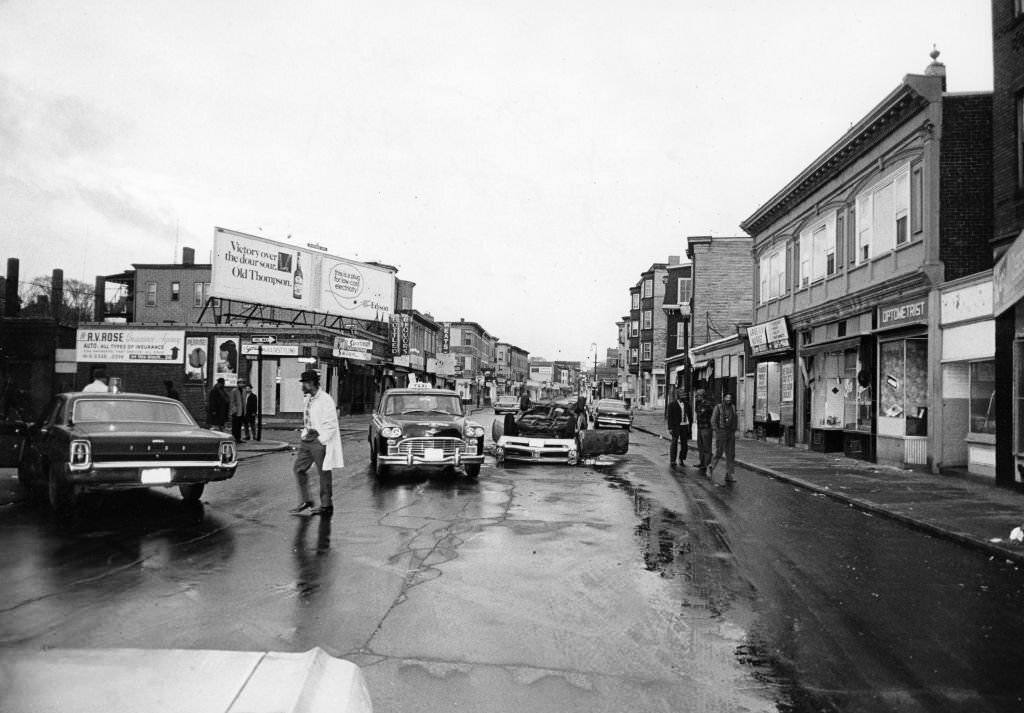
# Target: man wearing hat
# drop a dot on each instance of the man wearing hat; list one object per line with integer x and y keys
{"x": 319, "y": 443}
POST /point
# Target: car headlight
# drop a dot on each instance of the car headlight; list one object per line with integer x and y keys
{"x": 80, "y": 453}
{"x": 474, "y": 432}
{"x": 391, "y": 431}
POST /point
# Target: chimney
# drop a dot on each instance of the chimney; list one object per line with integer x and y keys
{"x": 100, "y": 299}
{"x": 188, "y": 256}
{"x": 673, "y": 259}
{"x": 936, "y": 68}
{"x": 11, "y": 304}
{"x": 57, "y": 293}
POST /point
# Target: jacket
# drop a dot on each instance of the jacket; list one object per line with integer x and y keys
{"x": 676, "y": 412}
{"x": 704, "y": 413}
{"x": 724, "y": 417}
{"x": 321, "y": 414}
{"x": 235, "y": 400}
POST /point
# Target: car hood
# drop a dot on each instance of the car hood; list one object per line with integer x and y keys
{"x": 431, "y": 425}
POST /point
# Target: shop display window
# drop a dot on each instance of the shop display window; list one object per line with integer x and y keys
{"x": 829, "y": 392}
{"x": 983, "y": 394}
{"x": 903, "y": 387}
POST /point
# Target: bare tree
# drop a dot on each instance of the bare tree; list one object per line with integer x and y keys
{"x": 78, "y": 302}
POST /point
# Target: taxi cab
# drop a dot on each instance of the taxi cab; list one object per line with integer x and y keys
{"x": 423, "y": 426}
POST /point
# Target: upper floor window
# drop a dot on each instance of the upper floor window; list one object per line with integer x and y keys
{"x": 151, "y": 294}
{"x": 684, "y": 286}
{"x": 681, "y": 338}
{"x": 636, "y": 300}
{"x": 817, "y": 249}
{"x": 772, "y": 274}
{"x": 883, "y": 215}
{"x": 634, "y": 355}
{"x": 635, "y": 328}
{"x": 199, "y": 290}
{"x": 175, "y": 291}
{"x": 648, "y": 319}
{"x": 648, "y": 288}
{"x": 1018, "y": 8}
{"x": 647, "y": 351}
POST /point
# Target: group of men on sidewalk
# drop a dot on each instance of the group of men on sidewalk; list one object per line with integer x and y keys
{"x": 713, "y": 421}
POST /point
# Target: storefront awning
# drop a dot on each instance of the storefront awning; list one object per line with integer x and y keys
{"x": 702, "y": 365}
{"x": 838, "y": 345}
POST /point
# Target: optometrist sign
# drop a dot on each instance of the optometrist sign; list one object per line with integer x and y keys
{"x": 138, "y": 346}
{"x": 251, "y": 269}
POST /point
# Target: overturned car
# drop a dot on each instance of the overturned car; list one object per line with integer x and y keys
{"x": 553, "y": 432}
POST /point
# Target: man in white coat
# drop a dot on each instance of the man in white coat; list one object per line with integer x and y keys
{"x": 319, "y": 443}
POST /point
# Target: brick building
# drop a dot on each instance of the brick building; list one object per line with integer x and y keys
{"x": 649, "y": 336}
{"x": 849, "y": 259}
{"x": 511, "y": 367}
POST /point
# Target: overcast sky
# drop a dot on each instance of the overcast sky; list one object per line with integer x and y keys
{"x": 521, "y": 161}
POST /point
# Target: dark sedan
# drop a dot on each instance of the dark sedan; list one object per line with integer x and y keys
{"x": 108, "y": 441}
{"x": 612, "y": 412}
{"x": 422, "y": 426}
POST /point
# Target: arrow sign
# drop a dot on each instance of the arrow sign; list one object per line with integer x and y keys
{"x": 263, "y": 339}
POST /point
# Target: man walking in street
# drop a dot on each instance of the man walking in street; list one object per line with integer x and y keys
{"x": 678, "y": 418}
{"x": 236, "y": 410}
{"x": 252, "y": 404}
{"x": 724, "y": 420}
{"x": 704, "y": 431}
{"x": 320, "y": 444}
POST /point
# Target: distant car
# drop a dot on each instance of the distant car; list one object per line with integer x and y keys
{"x": 117, "y": 441}
{"x": 419, "y": 427}
{"x": 613, "y": 413}
{"x": 506, "y": 404}
{"x": 551, "y": 431}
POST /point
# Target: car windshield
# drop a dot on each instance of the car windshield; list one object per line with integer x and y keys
{"x": 423, "y": 403}
{"x": 611, "y": 404}
{"x": 108, "y": 410}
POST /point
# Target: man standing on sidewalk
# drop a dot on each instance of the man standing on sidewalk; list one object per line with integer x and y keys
{"x": 704, "y": 430}
{"x": 678, "y": 418}
{"x": 724, "y": 420}
{"x": 320, "y": 444}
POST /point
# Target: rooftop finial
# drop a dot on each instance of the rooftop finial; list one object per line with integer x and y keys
{"x": 936, "y": 68}
{"x": 934, "y": 54}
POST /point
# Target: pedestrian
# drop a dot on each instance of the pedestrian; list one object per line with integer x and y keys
{"x": 582, "y": 413}
{"x": 320, "y": 444}
{"x": 217, "y": 406}
{"x": 704, "y": 411}
{"x": 678, "y": 418}
{"x": 252, "y": 405}
{"x": 171, "y": 391}
{"x": 100, "y": 382}
{"x": 723, "y": 420}
{"x": 236, "y": 410}
{"x": 524, "y": 400}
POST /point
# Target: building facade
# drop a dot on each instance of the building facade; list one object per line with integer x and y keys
{"x": 511, "y": 367}
{"x": 849, "y": 258}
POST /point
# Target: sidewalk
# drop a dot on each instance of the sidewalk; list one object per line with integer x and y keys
{"x": 975, "y": 514}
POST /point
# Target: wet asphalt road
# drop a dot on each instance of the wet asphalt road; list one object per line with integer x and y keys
{"x": 542, "y": 588}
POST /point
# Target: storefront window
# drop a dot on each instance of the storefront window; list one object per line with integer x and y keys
{"x": 903, "y": 391}
{"x": 983, "y": 394}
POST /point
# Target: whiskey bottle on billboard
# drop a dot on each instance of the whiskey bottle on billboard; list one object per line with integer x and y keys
{"x": 297, "y": 279}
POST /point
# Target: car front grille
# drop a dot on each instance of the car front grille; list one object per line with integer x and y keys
{"x": 418, "y": 446}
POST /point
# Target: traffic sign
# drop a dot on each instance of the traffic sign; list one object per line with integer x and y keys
{"x": 263, "y": 339}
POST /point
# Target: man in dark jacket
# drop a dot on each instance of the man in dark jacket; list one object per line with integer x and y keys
{"x": 678, "y": 418}
{"x": 704, "y": 431}
{"x": 217, "y": 408}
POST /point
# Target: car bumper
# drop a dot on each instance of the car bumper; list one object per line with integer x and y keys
{"x": 537, "y": 450}
{"x": 410, "y": 459}
{"x": 117, "y": 476}
{"x": 614, "y": 421}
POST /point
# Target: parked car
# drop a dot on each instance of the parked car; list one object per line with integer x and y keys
{"x": 424, "y": 427}
{"x": 506, "y": 404}
{"x": 612, "y": 412}
{"x": 108, "y": 441}
{"x": 552, "y": 431}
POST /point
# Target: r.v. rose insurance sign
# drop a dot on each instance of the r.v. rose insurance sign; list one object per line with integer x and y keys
{"x": 248, "y": 268}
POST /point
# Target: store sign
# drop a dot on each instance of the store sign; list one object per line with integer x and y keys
{"x": 360, "y": 345}
{"x": 270, "y": 350}
{"x": 768, "y": 337}
{"x": 898, "y": 314}
{"x": 786, "y": 376}
{"x": 972, "y": 302}
{"x": 251, "y": 269}
{"x": 446, "y": 339}
{"x": 1008, "y": 277}
{"x": 138, "y": 346}
{"x": 351, "y": 354}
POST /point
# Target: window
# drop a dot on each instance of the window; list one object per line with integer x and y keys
{"x": 199, "y": 290}
{"x": 818, "y": 251}
{"x": 175, "y": 291}
{"x": 681, "y": 337}
{"x": 884, "y": 215}
{"x": 467, "y": 340}
{"x": 983, "y": 395}
{"x": 151, "y": 294}
{"x": 772, "y": 273}
{"x": 635, "y": 328}
{"x": 647, "y": 351}
{"x": 636, "y": 300}
{"x": 634, "y": 356}
{"x": 903, "y": 388}
{"x": 685, "y": 285}
{"x": 648, "y": 288}
{"x": 648, "y": 319}
{"x": 916, "y": 199}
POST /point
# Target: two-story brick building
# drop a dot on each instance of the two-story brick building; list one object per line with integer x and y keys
{"x": 471, "y": 363}
{"x": 511, "y": 368}
{"x": 849, "y": 258}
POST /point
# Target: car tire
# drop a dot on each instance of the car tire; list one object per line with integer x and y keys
{"x": 60, "y": 494}
{"x": 373, "y": 453}
{"x": 380, "y": 469}
{"x": 473, "y": 470}
{"x": 191, "y": 492}
{"x": 24, "y": 474}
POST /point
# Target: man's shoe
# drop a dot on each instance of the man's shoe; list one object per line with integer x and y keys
{"x": 327, "y": 511}
{"x": 301, "y": 508}
{"x": 729, "y": 479}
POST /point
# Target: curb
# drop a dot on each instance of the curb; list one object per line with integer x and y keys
{"x": 927, "y": 527}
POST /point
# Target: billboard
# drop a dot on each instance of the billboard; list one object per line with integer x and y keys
{"x": 248, "y": 268}
{"x": 104, "y": 344}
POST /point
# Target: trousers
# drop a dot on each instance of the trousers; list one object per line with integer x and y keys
{"x": 307, "y": 455}
{"x": 680, "y": 444}
{"x": 704, "y": 446}
{"x": 725, "y": 444}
